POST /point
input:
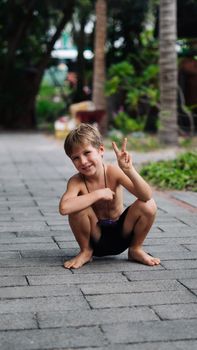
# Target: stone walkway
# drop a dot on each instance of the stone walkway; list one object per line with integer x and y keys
{"x": 110, "y": 303}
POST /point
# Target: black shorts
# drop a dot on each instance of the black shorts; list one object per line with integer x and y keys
{"x": 112, "y": 240}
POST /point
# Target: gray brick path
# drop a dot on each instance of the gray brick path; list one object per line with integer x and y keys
{"x": 110, "y": 303}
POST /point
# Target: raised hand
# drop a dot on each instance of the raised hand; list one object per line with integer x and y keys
{"x": 123, "y": 157}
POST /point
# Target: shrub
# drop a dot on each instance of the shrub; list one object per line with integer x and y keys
{"x": 126, "y": 124}
{"x": 49, "y": 104}
{"x": 47, "y": 110}
{"x": 179, "y": 174}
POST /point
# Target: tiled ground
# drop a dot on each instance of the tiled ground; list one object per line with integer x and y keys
{"x": 110, "y": 303}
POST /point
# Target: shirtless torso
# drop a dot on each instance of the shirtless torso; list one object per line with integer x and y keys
{"x": 102, "y": 208}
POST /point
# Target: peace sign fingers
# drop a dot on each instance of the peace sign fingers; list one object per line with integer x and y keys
{"x": 116, "y": 150}
{"x": 123, "y": 148}
{"x": 123, "y": 157}
{"x": 124, "y": 145}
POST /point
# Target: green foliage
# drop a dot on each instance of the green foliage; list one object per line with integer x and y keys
{"x": 123, "y": 77}
{"x": 123, "y": 70}
{"x": 138, "y": 141}
{"x": 179, "y": 174}
{"x": 123, "y": 122}
{"x": 47, "y": 110}
{"x": 120, "y": 77}
{"x": 126, "y": 20}
{"x": 49, "y": 105}
{"x": 135, "y": 80}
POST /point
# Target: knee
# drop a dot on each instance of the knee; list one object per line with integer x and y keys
{"x": 148, "y": 208}
{"x": 78, "y": 215}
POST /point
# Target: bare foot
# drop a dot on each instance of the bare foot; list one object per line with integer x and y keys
{"x": 141, "y": 256}
{"x": 79, "y": 260}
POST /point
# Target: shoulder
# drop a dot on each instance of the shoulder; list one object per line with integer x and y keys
{"x": 75, "y": 180}
{"x": 113, "y": 172}
{"x": 113, "y": 169}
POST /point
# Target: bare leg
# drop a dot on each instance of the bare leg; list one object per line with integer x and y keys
{"x": 140, "y": 218}
{"x": 82, "y": 223}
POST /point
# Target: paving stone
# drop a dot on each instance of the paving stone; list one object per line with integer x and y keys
{"x": 77, "y": 279}
{"x": 9, "y": 255}
{"x": 34, "y": 218}
{"x": 7, "y": 281}
{"x": 188, "y": 197}
{"x": 131, "y": 287}
{"x": 191, "y": 247}
{"x": 177, "y": 232}
{"x": 35, "y": 233}
{"x": 141, "y": 299}
{"x": 25, "y": 240}
{"x": 38, "y": 291}
{"x": 151, "y": 331}
{"x": 17, "y": 226}
{"x": 192, "y": 222}
{"x": 178, "y": 311}
{"x": 161, "y": 275}
{"x": 189, "y": 283}
{"x": 169, "y": 256}
{"x": 172, "y": 265}
{"x": 6, "y": 218}
{"x": 170, "y": 226}
{"x": 114, "y": 264}
{"x": 37, "y": 261}
{"x": 68, "y": 237}
{"x": 51, "y": 339}
{"x": 42, "y": 270}
{"x": 169, "y": 345}
{"x": 27, "y": 246}
{"x": 167, "y": 248}
{"x": 55, "y": 228}
{"x": 68, "y": 244}
{"x": 95, "y": 317}
{"x": 17, "y": 321}
{"x": 147, "y": 307}
{"x": 48, "y": 253}
{"x": 174, "y": 240}
{"x": 71, "y": 302}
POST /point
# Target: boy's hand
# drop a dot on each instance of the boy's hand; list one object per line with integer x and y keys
{"x": 123, "y": 157}
{"x": 106, "y": 194}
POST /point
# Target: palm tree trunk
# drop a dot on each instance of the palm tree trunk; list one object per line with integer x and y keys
{"x": 99, "y": 60}
{"x": 168, "y": 130}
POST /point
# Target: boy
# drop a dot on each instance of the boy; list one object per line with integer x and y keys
{"x": 94, "y": 204}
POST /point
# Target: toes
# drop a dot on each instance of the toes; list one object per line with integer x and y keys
{"x": 68, "y": 264}
{"x": 156, "y": 261}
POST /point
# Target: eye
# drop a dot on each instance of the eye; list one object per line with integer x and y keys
{"x": 75, "y": 158}
{"x": 87, "y": 152}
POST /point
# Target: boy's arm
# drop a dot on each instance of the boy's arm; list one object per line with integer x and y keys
{"x": 138, "y": 186}
{"x": 72, "y": 202}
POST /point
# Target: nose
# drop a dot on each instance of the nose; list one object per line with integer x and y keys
{"x": 83, "y": 160}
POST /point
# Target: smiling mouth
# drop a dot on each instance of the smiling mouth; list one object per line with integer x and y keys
{"x": 87, "y": 167}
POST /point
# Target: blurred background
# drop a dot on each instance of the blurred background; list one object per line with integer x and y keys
{"x": 132, "y": 69}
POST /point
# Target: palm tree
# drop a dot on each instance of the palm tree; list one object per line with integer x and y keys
{"x": 168, "y": 131}
{"x": 99, "y": 59}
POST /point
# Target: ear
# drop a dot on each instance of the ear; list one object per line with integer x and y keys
{"x": 101, "y": 150}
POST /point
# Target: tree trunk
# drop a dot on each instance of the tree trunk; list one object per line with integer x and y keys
{"x": 79, "y": 96}
{"x": 168, "y": 130}
{"x": 99, "y": 60}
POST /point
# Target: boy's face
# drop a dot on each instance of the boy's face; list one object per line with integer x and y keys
{"x": 87, "y": 158}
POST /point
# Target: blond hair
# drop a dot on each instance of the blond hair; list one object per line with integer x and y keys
{"x": 83, "y": 134}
